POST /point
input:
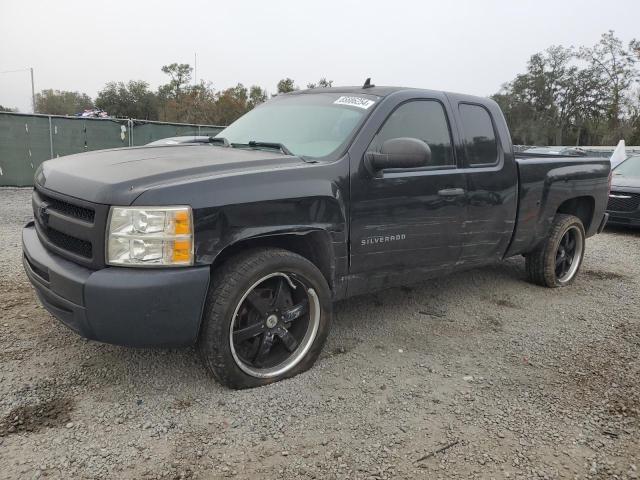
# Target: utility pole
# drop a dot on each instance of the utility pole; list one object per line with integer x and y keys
{"x": 33, "y": 91}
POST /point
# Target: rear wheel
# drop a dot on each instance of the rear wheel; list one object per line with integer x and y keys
{"x": 556, "y": 262}
{"x": 267, "y": 318}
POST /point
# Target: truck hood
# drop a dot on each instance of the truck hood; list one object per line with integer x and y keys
{"x": 119, "y": 176}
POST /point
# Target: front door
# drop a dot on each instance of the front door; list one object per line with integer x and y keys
{"x": 406, "y": 224}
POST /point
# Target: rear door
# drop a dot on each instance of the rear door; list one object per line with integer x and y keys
{"x": 491, "y": 180}
{"x": 407, "y": 223}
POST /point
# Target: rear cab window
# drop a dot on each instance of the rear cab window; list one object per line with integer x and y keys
{"x": 478, "y": 135}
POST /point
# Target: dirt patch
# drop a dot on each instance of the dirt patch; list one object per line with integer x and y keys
{"x": 14, "y": 295}
{"x": 14, "y": 354}
{"x": 345, "y": 346}
{"x": 630, "y": 332}
{"x": 493, "y": 323}
{"x": 604, "y": 275}
{"x": 505, "y": 302}
{"x": 182, "y": 403}
{"x": 434, "y": 312}
{"x": 31, "y": 418}
{"x": 606, "y": 377}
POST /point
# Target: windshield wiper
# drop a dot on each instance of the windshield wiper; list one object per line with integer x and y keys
{"x": 276, "y": 145}
{"x": 221, "y": 140}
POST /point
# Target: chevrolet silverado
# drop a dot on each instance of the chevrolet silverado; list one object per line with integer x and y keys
{"x": 240, "y": 245}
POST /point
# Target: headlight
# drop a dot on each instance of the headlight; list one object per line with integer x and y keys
{"x": 150, "y": 236}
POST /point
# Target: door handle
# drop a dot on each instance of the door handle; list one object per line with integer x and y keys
{"x": 451, "y": 192}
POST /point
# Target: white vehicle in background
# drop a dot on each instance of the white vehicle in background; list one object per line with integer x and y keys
{"x": 619, "y": 155}
{"x": 556, "y": 151}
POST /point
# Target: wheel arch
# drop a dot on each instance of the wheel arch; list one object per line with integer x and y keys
{"x": 581, "y": 207}
{"x": 314, "y": 244}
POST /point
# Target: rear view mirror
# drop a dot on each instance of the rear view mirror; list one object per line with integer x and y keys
{"x": 403, "y": 152}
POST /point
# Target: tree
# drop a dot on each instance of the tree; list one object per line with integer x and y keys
{"x": 570, "y": 96}
{"x": 231, "y": 104}
{"x": 615, "y": 67}
{"x": 180, "y": 74}
{"x": 256, "y": 96}
{"x": 532, "y": 101}
{"x": 170, "y": 95}
{"x": 180, "y": 102}
{"x": 286, "y": 85}
{"x": 322, "y": 83}
{"x": 61, "y": 102}
{"x": 7, "y": 109}
{"x": 562, "y": 93}
{"x": 196, "y": 105}
{"x": 130, "y": 100}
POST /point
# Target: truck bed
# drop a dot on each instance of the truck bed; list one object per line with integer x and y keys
{"x": 544, "y": 185}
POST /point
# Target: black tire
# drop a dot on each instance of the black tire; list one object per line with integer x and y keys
{"x": 542, "y": 263}
{"x": 231, "y": 286}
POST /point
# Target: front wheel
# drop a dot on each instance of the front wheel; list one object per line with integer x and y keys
{"x": 555, "y": 263}
{"x": 266, "y": 318}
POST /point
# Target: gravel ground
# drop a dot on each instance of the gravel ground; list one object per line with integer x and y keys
{"x": 477, "y": 375}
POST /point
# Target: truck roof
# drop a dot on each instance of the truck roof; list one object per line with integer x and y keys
{"x": 378, "y": 91}
{"x": 383, "y": 91}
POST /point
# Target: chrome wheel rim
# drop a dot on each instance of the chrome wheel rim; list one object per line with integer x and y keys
{"x": 274, "y": 325}
{"x": 569, "y": 254}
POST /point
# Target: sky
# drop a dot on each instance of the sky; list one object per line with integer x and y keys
{"x": 456, "y": 45}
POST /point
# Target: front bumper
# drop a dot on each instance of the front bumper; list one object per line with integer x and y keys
{"x": 122, "y": 306}
{"x": 632, "y": 219}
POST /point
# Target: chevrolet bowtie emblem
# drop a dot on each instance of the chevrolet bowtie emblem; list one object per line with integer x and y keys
{"x": 43, "y": 215}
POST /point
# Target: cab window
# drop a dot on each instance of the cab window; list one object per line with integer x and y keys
{"x": 425, "y": 120}
{"x": 478, "y": 135}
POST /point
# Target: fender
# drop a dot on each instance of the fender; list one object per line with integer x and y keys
{"x": 219, "y": 228}
{"x": 239, "y": 206}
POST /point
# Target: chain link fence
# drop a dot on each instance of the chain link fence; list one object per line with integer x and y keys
{"x": 27, "y": 140}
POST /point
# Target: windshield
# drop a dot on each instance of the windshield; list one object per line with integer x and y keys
{"x": 309, "y": 125}
{"x": 629, "y": 168}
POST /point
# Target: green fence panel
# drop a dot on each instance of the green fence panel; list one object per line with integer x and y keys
{"x": 101, "y": 134}
{"x": 67, "y": 135}
{"x": 24, "y": 145}
{"x": 211, "y": 131}
{"x": 145, "y": 132}
{"x": 77, "y": 135}
{"x": 28, "y": 140}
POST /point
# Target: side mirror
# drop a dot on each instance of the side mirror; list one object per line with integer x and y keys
{"x": 400, "y": 152}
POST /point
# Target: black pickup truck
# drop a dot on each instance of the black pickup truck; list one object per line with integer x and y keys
{"x": 242, "y": 244}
